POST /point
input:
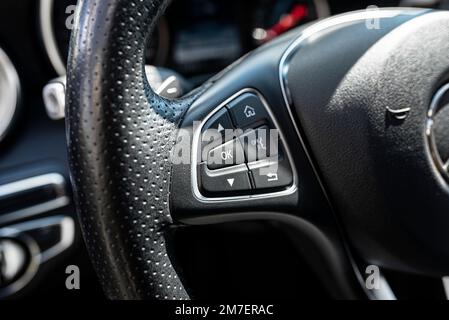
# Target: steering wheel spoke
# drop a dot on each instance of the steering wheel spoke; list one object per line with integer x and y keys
{"x": 239, "y": 157}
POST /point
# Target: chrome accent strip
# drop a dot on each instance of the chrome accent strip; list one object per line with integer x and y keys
{"x": 322, "y": 26}
{"x": 54, "y": 54}
{"x": 54, "y": 179}
{"x": 195, "y": 161}
{"x": 33, "y": 252}
{"x": 67, "y": 225}
{"x": 323, "y": 9}
{"x": 263, "y": 163}
{"x": 431, "y": 142}
{"x": 385, "y": 293}
{"x": 323, "y": 242}
{"x": 10, "y": 92}
{"x": 445, "y": 281}
{"x": 225, "y": 171}
{"x": 37, "y": 257}
{"x": 284, "y": 65}
{"x": 48, "y": 36}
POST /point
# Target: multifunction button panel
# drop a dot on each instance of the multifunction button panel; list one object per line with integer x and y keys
{"x": 242, "y": 151}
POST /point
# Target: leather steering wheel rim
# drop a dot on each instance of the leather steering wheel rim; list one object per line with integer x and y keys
{"x": 120, "y": 136}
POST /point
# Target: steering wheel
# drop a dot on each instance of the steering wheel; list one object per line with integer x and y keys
{"x": 357, "y": 174}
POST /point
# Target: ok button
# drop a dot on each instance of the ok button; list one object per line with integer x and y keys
{"x": 226, "y": 155}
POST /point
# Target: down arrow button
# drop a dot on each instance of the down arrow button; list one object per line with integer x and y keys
{"x": 226, "y": 181}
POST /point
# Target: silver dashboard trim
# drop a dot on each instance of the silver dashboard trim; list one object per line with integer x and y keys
{"x": 385, "y": 292}
{"x": 195, "y": 152}
{"x": 37, "y": 256}
{"x": 445, "y": 281}
{"x": 48, "y": 36}
{"x": 10, "y": 92}
{"x": 54, "y": 54}
{"x": 54, "y": 179}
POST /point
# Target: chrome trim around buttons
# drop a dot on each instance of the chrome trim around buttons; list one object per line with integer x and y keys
{"x": 263, "y": 163}
{"x": 56, "y": 180}
{"x": 196, "y": 154}
{"x": 226, "y": 171}
{"x": 10, "y": 93}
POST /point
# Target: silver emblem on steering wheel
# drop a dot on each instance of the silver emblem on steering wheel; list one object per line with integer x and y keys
{"x": 437, "y": 150}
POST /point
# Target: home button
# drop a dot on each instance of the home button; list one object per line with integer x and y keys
{"x": 248, "y": 110}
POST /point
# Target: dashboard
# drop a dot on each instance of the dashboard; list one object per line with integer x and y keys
{"x": 196, "y": 38}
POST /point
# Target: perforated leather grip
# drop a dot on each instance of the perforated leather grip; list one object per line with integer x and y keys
{"x": 120, "y": 135}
